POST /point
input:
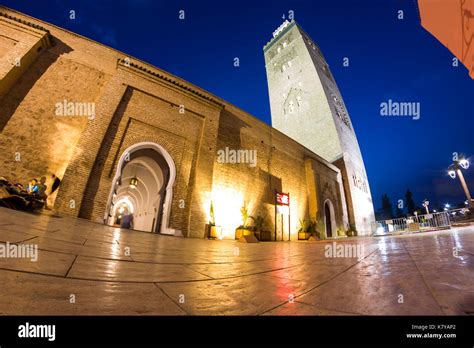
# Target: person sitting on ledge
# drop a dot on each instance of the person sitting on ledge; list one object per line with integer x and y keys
{"x": 42, "y": 187}
{"x": 32, "y": 186}
{"x": 14, "y": 196}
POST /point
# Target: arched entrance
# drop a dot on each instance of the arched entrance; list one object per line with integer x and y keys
{"x": 330, "y": 219}
{"x": 143, "y": 186}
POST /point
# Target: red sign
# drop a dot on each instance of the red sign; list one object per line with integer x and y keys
{"x": 283, "y": 198}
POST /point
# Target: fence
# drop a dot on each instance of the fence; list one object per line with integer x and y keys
{"x": 418, "y": 223}
{"x": 459, "y": 216}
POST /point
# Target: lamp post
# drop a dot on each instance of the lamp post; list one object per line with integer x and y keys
{"x": 455, "y": 169}
{"x": 426, "y": 204}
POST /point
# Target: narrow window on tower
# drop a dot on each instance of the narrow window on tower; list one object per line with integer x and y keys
{"x": 340, "y": 111}
{"x": 326, "y": 71}
{"x": 298, "y": 100}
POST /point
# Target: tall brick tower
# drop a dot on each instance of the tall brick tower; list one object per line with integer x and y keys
{"x": 306, "y": 105}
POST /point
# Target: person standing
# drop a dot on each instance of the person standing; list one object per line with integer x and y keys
{"x": 127, "y": 221}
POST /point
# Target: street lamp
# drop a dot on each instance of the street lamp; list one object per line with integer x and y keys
{"x": 464, "y": 163}
{"x": 426, "y": 204}
{"x": 455, "y": 169}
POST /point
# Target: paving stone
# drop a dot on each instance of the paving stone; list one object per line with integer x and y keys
{"x": 297, "y": 308}
{"x": 32, "y": 294}
{"x": 47, "y": 263}
{"x": 113, "y": 270}
{"x": 248, "y": 295}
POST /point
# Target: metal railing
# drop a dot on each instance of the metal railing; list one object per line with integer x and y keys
{"x": 460, "y": 215}
{"x": 417, "y": 223}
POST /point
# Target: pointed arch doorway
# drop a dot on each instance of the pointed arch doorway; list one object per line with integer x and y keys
{"x": 143, "y": 184}
{"x": 330, "y": 219}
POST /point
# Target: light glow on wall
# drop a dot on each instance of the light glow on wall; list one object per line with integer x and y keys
{"x": 227, "y": 202}
{"x": 125, "y": 200}
{"x": 294, "y": 215}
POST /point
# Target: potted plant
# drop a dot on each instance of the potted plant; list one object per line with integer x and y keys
{"x": 306, "y": 229}
{"x": 213, "y": 230}
{"x": 244, "y": 229}
{"x": 258, "y": 223}
{"x": 302, "y": 235}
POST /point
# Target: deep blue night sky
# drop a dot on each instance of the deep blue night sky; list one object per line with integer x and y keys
{"x": 389, "y": 59}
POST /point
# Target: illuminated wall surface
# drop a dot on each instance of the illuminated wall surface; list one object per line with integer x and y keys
{"x": 452, "y": 23}
{"x": 75, "y": 108}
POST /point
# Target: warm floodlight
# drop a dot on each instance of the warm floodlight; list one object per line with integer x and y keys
{"x": 133, "y": 182}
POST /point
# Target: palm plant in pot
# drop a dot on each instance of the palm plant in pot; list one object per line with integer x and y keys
{"x": 306, "y": 229}
{"x": 244, "y": 229}
{"x": 258, "y": 223}
{"x": 213, "y": 230}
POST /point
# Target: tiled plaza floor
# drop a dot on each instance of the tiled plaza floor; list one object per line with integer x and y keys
{"x": 161, "y": 275}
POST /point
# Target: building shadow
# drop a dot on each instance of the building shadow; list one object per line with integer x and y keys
{"x": 17, "y": 93}
{"x": 93, "y": 182}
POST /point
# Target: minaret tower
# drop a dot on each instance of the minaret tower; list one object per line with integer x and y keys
{"x": 307, "y": 106}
